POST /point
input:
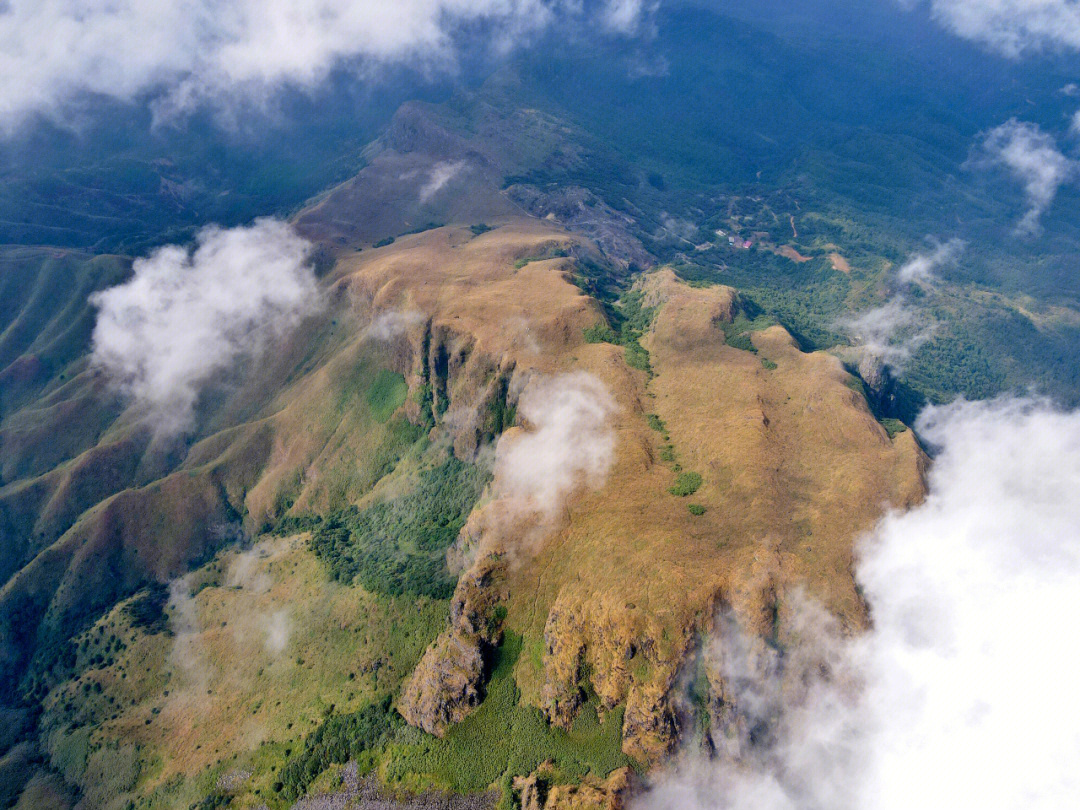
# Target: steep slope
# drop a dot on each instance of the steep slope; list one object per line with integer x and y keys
{"x": 581, "y": 610}
{"x": 90, "y": 521}
{"x": 791, "y": 465}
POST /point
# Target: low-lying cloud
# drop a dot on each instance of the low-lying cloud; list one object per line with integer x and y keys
{"x": 889, "y": 334}
{"x": 1012, "y": 27}
{"x": 1032, "y": 157}
{"x": 187, "y": 651}
{"x": 188, "y": 314}
{"x": 184, "y": 53}
{"x": 962, "y": 695}
{"x": 922, "y": 267}
{"x": 441, "y": 174}
{"x": 393, "y": 323}
{"x": 569, "y": 442}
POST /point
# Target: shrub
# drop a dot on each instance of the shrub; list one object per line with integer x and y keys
{"x": 147, "y": 609}
{"x": 600, "y": 333}
{"x": 399, "y": 546}
{"x": 295, "y": 524}
{"x": 687, "y": 483}
{"x": 429, "y": 226}
{"x": 638, "y": 357}
{"x": 696, "y": 509}
{"x": 339, "y": 739}
{"x": 893, "y": 427}
{"x": 768, "y": 364}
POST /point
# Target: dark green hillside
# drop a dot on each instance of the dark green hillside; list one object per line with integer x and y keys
{"x": 45, "y": 318}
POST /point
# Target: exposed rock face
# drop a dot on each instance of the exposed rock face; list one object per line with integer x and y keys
{"x": 586, "y": 213}
{"x": 622, "y": 590}
{"x": 536, "y": 792}
{"x": 880, "y": 384}
{"x": 447, "y": 682}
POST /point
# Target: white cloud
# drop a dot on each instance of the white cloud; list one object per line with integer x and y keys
{"x": 186, "y": 52}
{"x": 626, "y": 16}
{"x": 1012, "y": 27}
{"x": 278, "y": 628}
{"x": 441, "y": 174}
{"x": 393, "y": 323}
{"x": 187, "y": 314}
{"x": 972, "y": 664}
{"x": 922, "y": 267}
{"x": 569, "y": 442}
{"x": 889, "y": 333}
{"x": 187, "y": 651}
{"x": 963, "y": 694}
{"x": 785, "y": 734}
{"x": 1031, "y": 156}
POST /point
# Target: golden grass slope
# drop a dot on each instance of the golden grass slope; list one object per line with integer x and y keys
{"x": 794, "y": 467}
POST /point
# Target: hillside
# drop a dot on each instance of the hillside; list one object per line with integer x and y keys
{"x": 704, "y": 460}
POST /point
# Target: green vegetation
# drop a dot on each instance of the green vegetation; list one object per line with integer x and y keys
{"x": 657, "y": 424}
{"x": 399, "y": 546}
{"x": 768, "y": 364}
{"x": 696, "y": 509}
{"x": 389, "y": 240}
{"x": 600, "y": 333}
{"x": 387, "y": 393}
{"x": 634, "y": 319}
{"x": 500, "y": 414}
{"x": 479, "y": 228}
{"x": 504, "y": 738}
{"x": 429, "y": 226}
{"x": 807, "y": 299}
{"x": 687, "y": 483}
{"x": 629, "y": 319}
{"x": 339, "y": 739}
{"x": 146, "y": 611}
{"x": 893, "y": 427}
{"x": 296, "y": 524}
{"x": 748, "y": 319}
{"x": 637, "y": 357}
{"x": 550, "y": 252}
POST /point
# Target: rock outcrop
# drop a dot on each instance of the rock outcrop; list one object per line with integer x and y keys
{"x": 536, "y": 792}
{"x": 447, "y": 683}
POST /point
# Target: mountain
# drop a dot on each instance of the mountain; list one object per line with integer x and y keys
{"x": 715, "y": 496}
{"x": 612, "y": 357}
